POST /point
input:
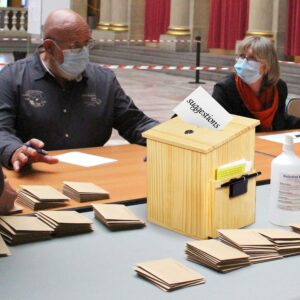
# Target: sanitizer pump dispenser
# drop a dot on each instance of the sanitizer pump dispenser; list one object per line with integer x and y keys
{"x": 284, "y": 204}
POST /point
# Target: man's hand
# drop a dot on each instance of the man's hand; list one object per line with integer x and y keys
{"x": 27, "y": 155}
{"x": 7, "y": 198}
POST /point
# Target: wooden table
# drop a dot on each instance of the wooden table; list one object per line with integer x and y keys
{"x": 272, "y": 148}
{"x": 265, "y": 152}
{"x": 262, "y": 163}
{"x": 125, "y": 179}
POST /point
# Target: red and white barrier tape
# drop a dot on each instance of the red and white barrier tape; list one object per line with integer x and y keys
{"x": 164, "y": 68}
{"x": 146, "y": 41}
{"x": 289, "y": 62}
{"x": 15, "y": 39}
{"x": 109, "y": 40}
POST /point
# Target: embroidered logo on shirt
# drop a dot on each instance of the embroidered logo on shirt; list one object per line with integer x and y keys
{"x": 35, "y": 98}
{"x": 91, "y": 100}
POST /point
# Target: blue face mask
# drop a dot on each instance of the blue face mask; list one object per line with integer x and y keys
{"x": 75, "y": 62}
{"x": 248, "y": 70}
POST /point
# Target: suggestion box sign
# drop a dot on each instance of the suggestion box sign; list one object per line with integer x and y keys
{"x": 202, "y": 110}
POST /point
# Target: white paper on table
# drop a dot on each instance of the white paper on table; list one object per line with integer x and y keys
{"x": 83, "y": 159}
{"x": 280, "y": 137}
{"x": 202, "y": 110}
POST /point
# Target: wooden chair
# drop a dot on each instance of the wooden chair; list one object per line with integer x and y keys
{"x": 293, "y": 107}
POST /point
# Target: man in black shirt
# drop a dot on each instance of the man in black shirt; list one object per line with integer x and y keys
{"x": 58, "y": 100}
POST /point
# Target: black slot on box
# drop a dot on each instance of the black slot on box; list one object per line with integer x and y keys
{"x": 238, "y": 188}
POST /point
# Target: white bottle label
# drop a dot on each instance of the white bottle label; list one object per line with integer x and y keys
{"x": 289, "y": 192}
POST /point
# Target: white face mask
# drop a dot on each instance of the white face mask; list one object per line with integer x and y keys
{"x": 248, "y": 70}
{"x": 75, "y": 62}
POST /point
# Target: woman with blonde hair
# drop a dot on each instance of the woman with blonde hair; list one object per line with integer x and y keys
{"x": 255, "y": 89}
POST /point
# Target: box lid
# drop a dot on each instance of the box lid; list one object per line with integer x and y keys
{"x": 178, "y": 133}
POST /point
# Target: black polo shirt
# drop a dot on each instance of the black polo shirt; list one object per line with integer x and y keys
{"x": 82, "y": 114}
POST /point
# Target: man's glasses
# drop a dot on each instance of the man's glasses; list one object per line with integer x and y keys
{"x": 77, "y": 47}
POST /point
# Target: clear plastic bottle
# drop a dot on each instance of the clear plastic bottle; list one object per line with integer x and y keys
{"x": 284, "y": 204}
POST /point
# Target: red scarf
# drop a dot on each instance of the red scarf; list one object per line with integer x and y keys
{"x": 263, "y": 107}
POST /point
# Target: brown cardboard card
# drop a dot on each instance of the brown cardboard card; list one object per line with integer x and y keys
{"x": 40, "y": 197}
{"x": 275, "y": 234}
{"x": 6, "y": 229}
{"x": 4, "y": 250}
{"x": 115, "y": 212}
{"x": 66, "y": 217}
{"x": 216, "y": 255}
{"x": 117, "y": 216}
{"x": 218, "y": 250}
{"x": 245, "y": 237}
{"x": 15, "y": 210}
{"x": 43, "y": 193}
{"x": 168, "y": 274}
{"x": 66, "y": 222}
{"x": 25, "y": 223}
{"x": 22, "y": 229}
{"x": 251, "y": 242}
{"x": 295, "y": 227}
{"x": 84, "y": 191}
{"x": 34, "y": 204}
{"x": 287, "y": 242}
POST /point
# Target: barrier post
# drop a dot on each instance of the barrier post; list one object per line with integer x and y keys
{"x": 198, "y": 51}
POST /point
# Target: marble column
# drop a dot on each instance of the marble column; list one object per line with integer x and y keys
{"x": 261, "y": 18}
{"x": 179, "y": 29}
{"x": 136, "y": 21}
{"x": 119, "y": 17}
{"x": 279, "y": 26}
{"x": 80, "y": 6}
{"x": 105, "y": 15}
{"x": 113, "y": 23}
{"x": 200, "y": 21}
{"x": 179, "y": 18}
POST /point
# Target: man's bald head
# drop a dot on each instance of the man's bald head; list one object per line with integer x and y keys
{"x": 65, "y": 25}
{"x": 64, "y": 29}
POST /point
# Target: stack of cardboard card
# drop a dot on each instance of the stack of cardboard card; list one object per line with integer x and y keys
{"x": 84, "y": 191}
{"x": 216, "y": 255}
{"x": 15, "y": 210}
{"x": 4, "y": 250}
{"x": 65, "y": 222}
{"x": 287, "y": 242}
{"x": 22, "y": 229}
{"x": 258, "y": 247}
{"x": 295, "y": 227}
{"x": 38, "y": 197}
{"x": 168, "y": 274}
{"x": 117, "y": 216}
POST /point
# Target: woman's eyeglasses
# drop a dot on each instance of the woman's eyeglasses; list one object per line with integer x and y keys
{"x": 248, "y": 58}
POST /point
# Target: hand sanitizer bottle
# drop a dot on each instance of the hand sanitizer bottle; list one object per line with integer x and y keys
{"x": 284, "y": 204}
